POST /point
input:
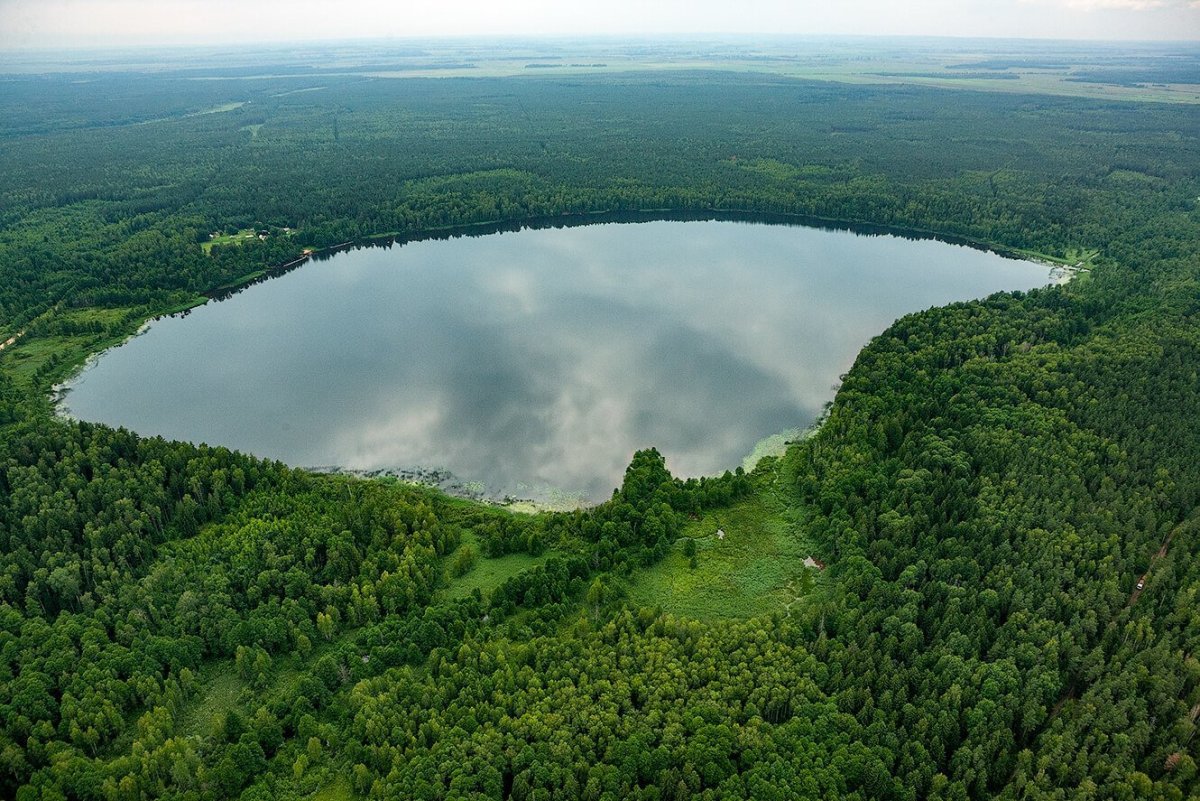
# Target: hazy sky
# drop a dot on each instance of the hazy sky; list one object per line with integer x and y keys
{"x": 42, "y": 23}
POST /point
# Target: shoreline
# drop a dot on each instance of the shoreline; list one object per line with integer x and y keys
{"x": 773, "y": 445}
{"x": 448, "y": 483}
{"x": 698, "y": 214}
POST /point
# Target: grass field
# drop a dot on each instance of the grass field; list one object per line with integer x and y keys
{"x": 237, "y": 238}
{"x": 220, "y": 693}
{"x": 63, "y": 354}
{"x": 220, "y": 687}
{"x": 221, "y": 109}
{"x": 339, "y": 790}
{"x": 487, "y": 574}
{"x": 756, "y": 569}
{"x": 27, "y": 355}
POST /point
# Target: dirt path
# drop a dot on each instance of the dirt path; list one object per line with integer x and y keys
{"x": 1133, "y": 596}
{"x": 1068, "y": 694}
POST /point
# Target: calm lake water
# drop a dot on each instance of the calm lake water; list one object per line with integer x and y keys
{"x": 536, "y": 361}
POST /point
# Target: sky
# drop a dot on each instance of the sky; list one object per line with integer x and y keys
{"x": 93, "y": 23}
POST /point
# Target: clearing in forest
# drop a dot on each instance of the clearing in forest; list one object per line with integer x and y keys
{"x": 757, "y": 568}
{"x": 486, "y": 574}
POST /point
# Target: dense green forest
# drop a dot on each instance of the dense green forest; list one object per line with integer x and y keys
{"x": 992, "y": 479}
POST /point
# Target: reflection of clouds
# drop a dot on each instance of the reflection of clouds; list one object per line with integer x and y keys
{"x": 511, "y": 292}
{"x": 539, "y": 358}
{"x": 389, "y": 439}
{"x": 563, "y": 395}
{"x": 703, "y": 401}
{"x": 769, "y": 296}
{"x": 586, "y": 440}
{"x": 566, "y": 399}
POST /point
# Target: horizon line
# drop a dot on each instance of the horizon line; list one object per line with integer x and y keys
{"x": 614, "y": 37}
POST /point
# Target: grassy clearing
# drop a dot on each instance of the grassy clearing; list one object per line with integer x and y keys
{"x": 221, "y": 688}
{"x": 756, "y": 569}
{"x": 221, "y": 109}
{"x": 771, "y": 168}
{"x": 1072, "y": 257}
{"x": 1082, "y": 257}
{"x": 220, "y": 692}
{"x": 93, "y": 315}
{"x": 238, "y": 238}
{"x": 297, "y": 92}
{"x": 339, "y": 790}
{"x": 27, "y": 356}
{"x": 487, "y": 574}
{"x": 1120, "y": 176}
{"x": 64, "y": 352}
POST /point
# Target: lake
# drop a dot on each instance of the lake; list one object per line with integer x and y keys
{"x": 535, "y": 362}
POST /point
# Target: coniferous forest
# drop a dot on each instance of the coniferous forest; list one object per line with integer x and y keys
{"x": 990, "y": 482}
